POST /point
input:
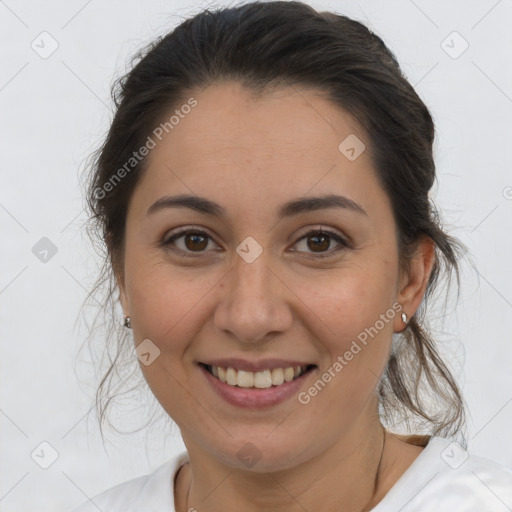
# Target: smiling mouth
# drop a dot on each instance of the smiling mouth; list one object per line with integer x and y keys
{"x": 257, "y": 380}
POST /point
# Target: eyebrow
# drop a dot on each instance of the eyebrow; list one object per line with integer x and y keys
{"x": 294, "y": 207}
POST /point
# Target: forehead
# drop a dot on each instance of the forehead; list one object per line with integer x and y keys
{"x": 288, "y": 122}
{"x": 233, "y": 144}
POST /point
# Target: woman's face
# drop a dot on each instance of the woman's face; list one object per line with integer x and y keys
{"x": 258, "y": 284}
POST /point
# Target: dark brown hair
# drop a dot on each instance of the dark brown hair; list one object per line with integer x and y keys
{"x": 286, "y": 44}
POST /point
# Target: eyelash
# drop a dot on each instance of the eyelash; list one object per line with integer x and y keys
{"x": 168, "y": 242}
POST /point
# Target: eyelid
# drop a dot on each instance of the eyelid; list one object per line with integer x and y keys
{"x": 177, "y": 233}
{"x": 185, "y": 230}
{"x": 318, "y": 228}
{"x": 343, "y": 242}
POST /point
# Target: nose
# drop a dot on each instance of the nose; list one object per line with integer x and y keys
{"x": 253, "y": 304}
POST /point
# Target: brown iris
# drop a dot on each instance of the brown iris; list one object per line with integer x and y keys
{"x": 321, "y": 242}
{"x": 196, "y": 241}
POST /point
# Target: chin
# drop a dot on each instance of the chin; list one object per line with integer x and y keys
{"x": 259, "y": 454}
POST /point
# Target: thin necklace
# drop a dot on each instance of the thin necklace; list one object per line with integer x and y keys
{"x": 375, "y": 484}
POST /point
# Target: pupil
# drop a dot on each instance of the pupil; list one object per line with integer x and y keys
{"x": 323, "y": 245}
{"x": 195, "y": 239}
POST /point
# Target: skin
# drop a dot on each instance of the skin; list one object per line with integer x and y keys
{"x": 250, "y": 156}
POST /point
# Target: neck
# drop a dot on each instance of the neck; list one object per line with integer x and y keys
{"x": 344, "y": 477}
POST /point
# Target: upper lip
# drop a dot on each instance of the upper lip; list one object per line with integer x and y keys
{"x": 254, "y": 366}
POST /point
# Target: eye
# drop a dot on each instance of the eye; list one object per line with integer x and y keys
{"x": 193, "y": 240}
{"x": 319, "y": 241}
{"x": 189, "y": 241}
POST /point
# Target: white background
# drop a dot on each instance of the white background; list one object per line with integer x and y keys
{"x": 54, "y": 112}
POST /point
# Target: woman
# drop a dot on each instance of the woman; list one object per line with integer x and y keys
{"x": 263, "y": 196}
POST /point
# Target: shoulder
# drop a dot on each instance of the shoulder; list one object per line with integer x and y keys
{"x": 465, "y": 474}
{"x": 153, "y": 492}
{"x": 445, "y": 477}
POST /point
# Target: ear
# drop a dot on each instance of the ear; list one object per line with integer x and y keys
{"x": 124, "y": 301}
{"x": 123, "y": 298}
{"x": 414, "y": 282}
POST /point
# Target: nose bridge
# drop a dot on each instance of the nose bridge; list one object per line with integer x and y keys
{"x": 252, "y": 305}
{"x": 251, "y": 279}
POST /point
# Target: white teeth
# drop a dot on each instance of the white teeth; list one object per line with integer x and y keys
{"x": 245, "y": 379}
{"x": 277, "y": 376}
{"x": 231, "y": 376}
{"x": 262, "y": 379}
{"x": 289, "y": 373}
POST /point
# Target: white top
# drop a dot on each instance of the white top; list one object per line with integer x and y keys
{"x": 443, "y": 478}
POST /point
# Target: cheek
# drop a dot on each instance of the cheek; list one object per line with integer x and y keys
{"x": 355, "y": 304}
{"x": 166, "y": 307}
{"x": 159, "y": 295}
{"x": 165, "y": 303}
{"x": 349, "y": 299}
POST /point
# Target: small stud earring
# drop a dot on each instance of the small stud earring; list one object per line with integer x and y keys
{"x": 127, "y": 322}
{"x": 404, "y": 318}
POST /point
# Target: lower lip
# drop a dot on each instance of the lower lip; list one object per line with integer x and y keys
{"x": 253, "y": 398}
